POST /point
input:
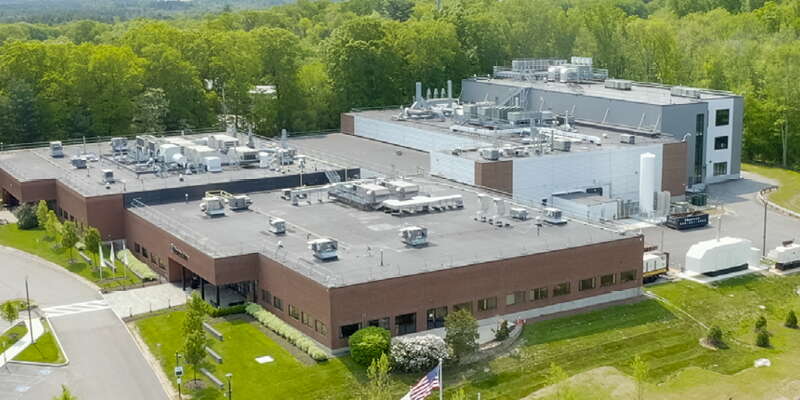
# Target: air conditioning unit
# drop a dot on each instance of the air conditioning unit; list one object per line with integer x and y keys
{"x": 56, "y": 149}
{"x": 108, "y": 176}
{"x": 627, "y": 139}
{"x": 324, "y": 249}
{"x": 553, "y": 216}
{"x": 79, "y": 162}
{"x": 239, "y": 202}
{"x": 491, "y": 154}
{"x": 562, "y": 145}
{"x": 212, "y": 206}
{"x": 518, "y": 213}
{"x": 119, "y": 144}
{"x": 683, "y": 91}
{"x": 618, "y": 84}
{"x": 414, "y": 236}
{"x": 277, "y": 226}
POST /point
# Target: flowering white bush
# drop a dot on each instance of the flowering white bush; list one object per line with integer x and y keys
{"x": 286, "y": 331}
{"x": 417, "y": 353}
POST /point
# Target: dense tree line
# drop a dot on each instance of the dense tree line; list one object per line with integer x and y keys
{"x": 86, "y": 78}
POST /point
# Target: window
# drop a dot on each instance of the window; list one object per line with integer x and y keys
{"x": 345, "y": 331}
{"x": 266, "y": 296}
{"x": 700, "y": 124}
{"x": 627, "y": 276}
{"x": 277, "y": 303}
{"x": 406, "y": 323}
{"x": 489, "y": 303}
{"x": 723, "y": 117}
{"x": 305, "y": 319}
{"x": 136, "y": 248}
{"x": 320, "y": 327}
{"x": 721, "y": 143}
{"x": 515, "y": 298}
{"x": 720, "y": 168}
{"x": 436, "y": 317}
{"x": 144, "y": 252}
{"x": 586, "y": 284}
{"x": 294, "y": 312}
{"x": 561, "y": 289}
{"x": 538, "y": 294}
{"x": 463, "y": 306}
{"x": 607, "y": 280}
{"x": 380, "y": 323}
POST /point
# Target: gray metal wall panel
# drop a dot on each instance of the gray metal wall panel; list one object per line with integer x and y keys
{"x": 680, "y": 119}
{"x": 737, "y": 135}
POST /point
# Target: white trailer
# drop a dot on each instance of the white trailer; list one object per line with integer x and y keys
{"x": 721, "y": 256}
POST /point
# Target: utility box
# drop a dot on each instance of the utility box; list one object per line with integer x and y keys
{"x": 324, "y": 249}
{"x": 414, "y": 236}
{"x": 56, "y": 149}
{"x": 627, "y": 139}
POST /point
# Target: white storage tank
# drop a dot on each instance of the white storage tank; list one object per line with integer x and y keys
{"x": 721, "y": 256}
{"x": 647, "y": 182}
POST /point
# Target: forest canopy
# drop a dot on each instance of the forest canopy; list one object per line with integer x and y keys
{"x": 84, "y": 77}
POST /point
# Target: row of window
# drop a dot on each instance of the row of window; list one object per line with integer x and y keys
{"x": 435, "y": 317}
{"x": 294, "y": 312}
{"x": 150, "y": 257}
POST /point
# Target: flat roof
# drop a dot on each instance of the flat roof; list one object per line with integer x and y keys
{"x": 366, "y": 237}
{"x": 584, "y": 198}
{"x": 640, "y": 92}
{"x": 36, "y": 164}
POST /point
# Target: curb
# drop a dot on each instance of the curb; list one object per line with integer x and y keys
{"x": 762, "y": 198}
{"x": 54, "y": 266}
{"x": 155, "y": 366}
{"x": 60, "y": 346}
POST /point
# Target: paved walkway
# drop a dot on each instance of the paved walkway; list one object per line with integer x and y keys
{"x": 23, "y": 342}
{"x": 126, "y": 303}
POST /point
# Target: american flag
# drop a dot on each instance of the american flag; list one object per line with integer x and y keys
{"x": 425, "y": 386}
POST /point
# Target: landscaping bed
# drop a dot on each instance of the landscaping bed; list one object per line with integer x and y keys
{"x": 12, "y": 335}
{"x": 44, "y": 350}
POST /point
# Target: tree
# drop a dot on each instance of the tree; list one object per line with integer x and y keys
{"x": 195, "y": 342}
{"x": 502, "y": 331}
{"x": 791, "y": 320}
{"x": 714, "y": 336}
{"x": 53, "y": 226}
{"x": 69, "y": 237}
{"x": 459, "y": 395}
{"x": 398, "y": 10}
{"x": 784, "y": 97}
{"x": 640, "y": 372}
{"x": 26, "y": 216}
{"x": 379, "y": 385}
{"x": 41, "y": 212}
{"x": 150, "y": 110}
{"x": 368, "y": 344}
{"x": 461, "y": 333}
{"x": 9, "y": 312}
{"x": 556, "y": 378}
{"x": 91, "y": 238}
{"x": 65, "y": 394}
{"x": 762, "y": 338}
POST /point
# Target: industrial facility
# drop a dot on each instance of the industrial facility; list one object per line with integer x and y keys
{"x": 245, "y": 218}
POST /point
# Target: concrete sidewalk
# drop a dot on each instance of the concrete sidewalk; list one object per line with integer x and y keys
{"x": 126, "y": 303}
{"x": 23, "y": 342}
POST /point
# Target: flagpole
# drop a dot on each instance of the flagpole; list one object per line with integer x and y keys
{"x": 441, "y": 380}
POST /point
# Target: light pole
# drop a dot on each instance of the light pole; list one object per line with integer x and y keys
{"x": 229, "y": 375}
{"x": 28, "y": 301}
{"x": 178, "y": 372}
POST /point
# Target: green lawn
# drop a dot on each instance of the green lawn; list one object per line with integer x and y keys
{"x": 788, "y": 195}
{"x": 34, "y": 241}
{"x": 665, "y": 338}
{"x": 44, "y": 350}
{"x": 12, "y": 335}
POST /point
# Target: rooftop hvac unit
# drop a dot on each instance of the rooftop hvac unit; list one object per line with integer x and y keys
{"x": 627, "y": 139}
{"x": 56, "y": 149}
{"x": 119, "y": 144}
{"x": 213, "y": 164}
{"x": 553, "y": 216}
{"x": 222, "y": 143}
{"x": 108, "y": 176}
{"x": 239, "y": 202}
{"x": 518, "y": 213}
{"x": 491, "y": 154}
{"x": 584, "y": 61}
{"x": 212, "y": 206}
{"x": 79, "y": 162}
{"x": 324, "y": 249}
{"x": 568, "y": 75}
{"x": 166, "y": 151}
{"x": 562, "y": 145}
{"x": 414, "y": 236}
{"x": 277, "y": 226}
{"x": 683, "y": 91}
{"x": 618, "y": 84}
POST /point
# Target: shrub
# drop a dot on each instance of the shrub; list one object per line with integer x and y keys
{"x": 791, "y": 320}
{"x": 417, "y": 353}
{"x": 502, "y": 332}
{"x": 714, "y": 336}
{"x": 461, "y": 333}
{"x": 286, "y": 331}
{"x": 367, "y": 344}
{"x": 762, "y": 339}
{"x": 223, "y": 311}
{"x": 761, "y": 324}
{"x": 26, "y": 216}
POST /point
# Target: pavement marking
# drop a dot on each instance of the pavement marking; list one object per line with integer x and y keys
{"x": 76, "y": 308}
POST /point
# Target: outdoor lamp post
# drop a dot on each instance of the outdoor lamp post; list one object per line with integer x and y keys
{"x": 229, "y": 375}
{"x": 178, "y": 372}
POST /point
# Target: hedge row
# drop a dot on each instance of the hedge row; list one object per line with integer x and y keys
{"x": 223, "y": 311}
{"x": 286, "y": 331}
{"x": 137, "y": 267}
